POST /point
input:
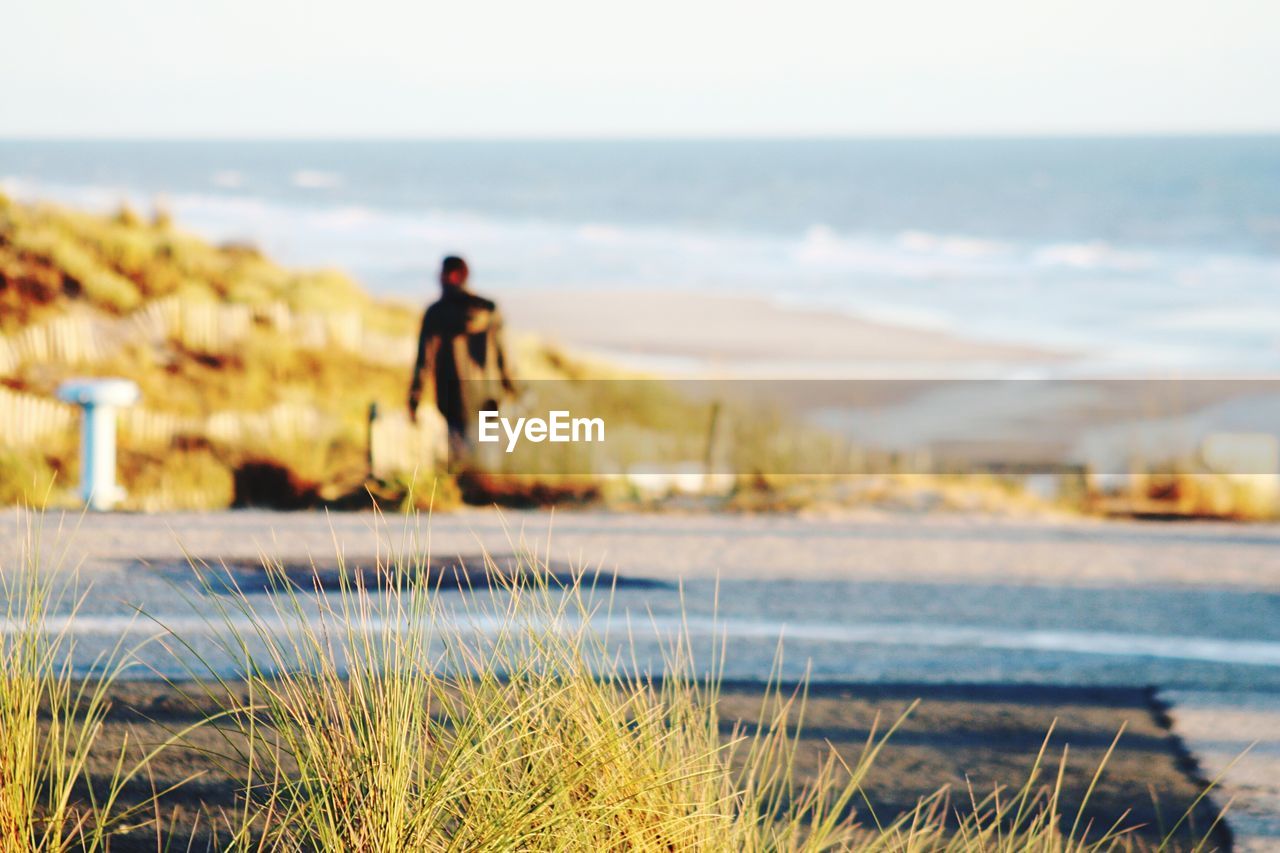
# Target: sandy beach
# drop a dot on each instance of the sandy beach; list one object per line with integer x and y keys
{"x": 745, "y": 335}
{"x": 906, "y": 388}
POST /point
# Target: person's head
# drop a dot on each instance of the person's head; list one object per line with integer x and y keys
{"x": 454, "y": 272}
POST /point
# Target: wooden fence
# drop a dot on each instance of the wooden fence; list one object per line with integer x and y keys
{"x": 287, "y": 423}
{"x": 214, "y": 328}
{"x": 72, "y": 339}
{"x": 396, "y": 444}
{"x": 26, "y": 419}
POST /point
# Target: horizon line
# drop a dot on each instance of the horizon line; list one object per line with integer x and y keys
{"x": 642, "y": 137}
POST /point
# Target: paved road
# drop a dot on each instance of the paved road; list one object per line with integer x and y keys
{"x": 935, "y": 548}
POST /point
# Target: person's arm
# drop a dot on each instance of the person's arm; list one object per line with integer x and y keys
{"x": 424, "y": 367}
{"x": 500, "y": 350}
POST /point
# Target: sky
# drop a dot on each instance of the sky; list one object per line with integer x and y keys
{"x": 646, "y": 68}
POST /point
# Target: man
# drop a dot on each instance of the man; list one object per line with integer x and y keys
{"x": 462, "y": 365}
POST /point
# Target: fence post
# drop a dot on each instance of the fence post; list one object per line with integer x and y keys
{"x": 373, "y": 417}
{"x": 709, "y": 456}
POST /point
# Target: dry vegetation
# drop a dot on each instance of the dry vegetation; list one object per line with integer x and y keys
{"x": 226, "y": 350}
{"x": 55, "y": 263}
{"x": 104, "y": 271}
{"x": 115, "y": 276}
{"x": 374, "y": 717}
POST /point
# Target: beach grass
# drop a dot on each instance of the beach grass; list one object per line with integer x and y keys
{"x": 379, "y": 715}
{"x": 51, "y": 717}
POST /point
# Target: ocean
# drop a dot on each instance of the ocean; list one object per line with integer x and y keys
{"x": 1145, "y": 255}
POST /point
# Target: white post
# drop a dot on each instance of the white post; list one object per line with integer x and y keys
{"x": 99, "y": 399}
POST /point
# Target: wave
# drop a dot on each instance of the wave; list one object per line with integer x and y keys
{"x": 227, "y": 179}
{"x": 819, "y": 249}
{"x": 1110, "y": 300}
{"x": 1095, "y": 255}
{"x": 314, "y": 179}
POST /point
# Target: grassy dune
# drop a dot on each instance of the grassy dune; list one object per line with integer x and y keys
{"x": 257, "y": 380}
{"x": 56, "y": 263}
{"x": 205, "y": 331}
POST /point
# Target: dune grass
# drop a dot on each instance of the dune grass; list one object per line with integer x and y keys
{"x": 375, "y": 716}
{"x": 378, "y": 718}
{"x": 51, "y": 718}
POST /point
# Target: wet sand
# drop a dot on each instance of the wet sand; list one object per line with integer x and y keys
{"x": 960, "y": 736}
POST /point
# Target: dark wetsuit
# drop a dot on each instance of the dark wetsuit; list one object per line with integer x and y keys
{"x": 462, "y": 362}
